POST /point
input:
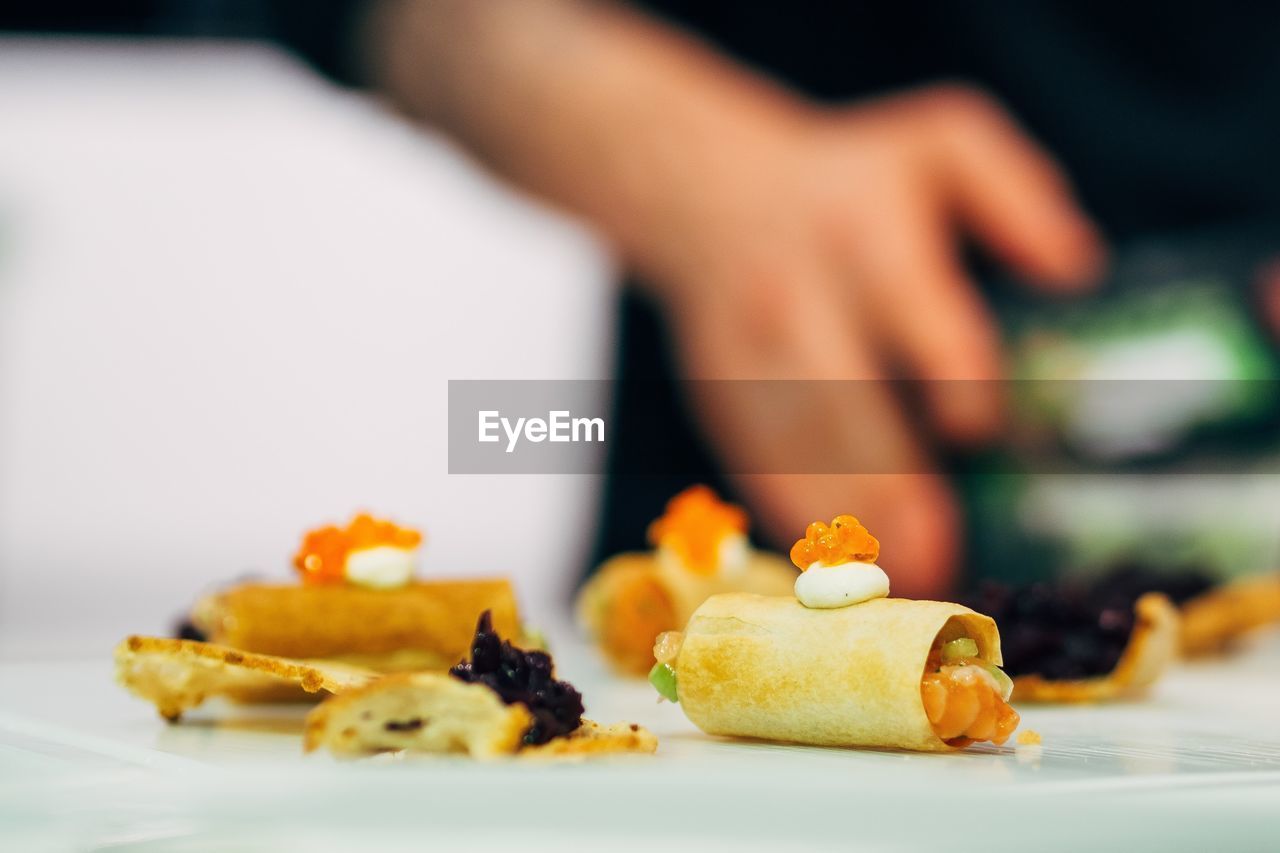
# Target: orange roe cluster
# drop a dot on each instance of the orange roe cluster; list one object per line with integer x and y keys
{"x": 844, "y": 541}
{"x": 322, "y": 556}
{"x": 694, "y": 525}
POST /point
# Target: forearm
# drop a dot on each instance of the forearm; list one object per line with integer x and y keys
{"x": 582, "y": 102}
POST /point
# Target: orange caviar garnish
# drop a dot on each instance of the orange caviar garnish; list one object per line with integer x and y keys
{"x": 844, "y": 541}
{"x": 322, "y": 556}
{"x": 694, "y": 525}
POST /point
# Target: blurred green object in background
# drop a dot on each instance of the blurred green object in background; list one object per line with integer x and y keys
{"x": 1146, "y": 421}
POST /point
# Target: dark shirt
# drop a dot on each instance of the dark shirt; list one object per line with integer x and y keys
{"x": 320, "y": 31}
{"x": 1166, "y": 115}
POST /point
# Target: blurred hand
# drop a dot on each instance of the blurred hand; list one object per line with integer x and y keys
{"x": 785, "y": 241}
{"x": 816, "y": 244}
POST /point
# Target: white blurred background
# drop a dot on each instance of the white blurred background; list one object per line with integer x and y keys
{"x": 231, "y": 297}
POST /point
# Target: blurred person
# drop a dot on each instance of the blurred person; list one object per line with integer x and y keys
{"x": 797, "y": 200}
{"x": 799, "y": 188}
{"x": 781, "y": 238}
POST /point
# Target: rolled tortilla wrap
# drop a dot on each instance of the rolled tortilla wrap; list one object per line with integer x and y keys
{"x": 765, "y": 667}
{"x": 423, "y": 625}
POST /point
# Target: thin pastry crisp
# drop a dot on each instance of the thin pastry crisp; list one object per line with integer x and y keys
{"x": 1079, "y": 640}
{"x": 433, "y": 713}
{"x": 1215, "y": 613}
{"x": 502, "y": 701}
{"x": 1152, "y": 647}
{"x": 178, "y": 675}
{"x": 1215, "y": 619}
{"x": 424, "y": 711}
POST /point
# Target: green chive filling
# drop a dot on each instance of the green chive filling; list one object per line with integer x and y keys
{"x": 663, "y": 679}
{"x": 958, "y": 650}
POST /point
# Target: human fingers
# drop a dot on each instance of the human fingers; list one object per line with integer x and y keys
{"x": 1009, "y": 192}
{"x": 930, "y": 317}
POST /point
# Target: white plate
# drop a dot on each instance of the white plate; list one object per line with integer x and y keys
{"x": 84, "y": 765}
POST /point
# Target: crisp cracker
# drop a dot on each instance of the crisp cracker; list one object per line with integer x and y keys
{"x": 592, "y": 738}
{"x": 438, "y": 714}
{"x": 1152, "y": 646}
{"x": 424, "y": 711}
{"x": 1214, "y": 620}
{"x": 177, "y": 675}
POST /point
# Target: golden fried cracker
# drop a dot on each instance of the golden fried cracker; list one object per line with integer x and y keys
{"x": 177, "y": 675}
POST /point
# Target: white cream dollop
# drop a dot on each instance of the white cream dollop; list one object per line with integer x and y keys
{"x": 382, "y": 567}
{"x": 732, "y": 555}
{"x": 826, "y": 587}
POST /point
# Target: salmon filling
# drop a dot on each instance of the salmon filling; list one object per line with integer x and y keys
{"x": 965, "y": 702}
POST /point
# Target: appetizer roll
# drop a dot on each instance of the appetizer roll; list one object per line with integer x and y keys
{"x": 839, "y": 665}
{"x": 421, "y": 625}
{"x": 359, "y": 603}
{"x": 700, "y": 549}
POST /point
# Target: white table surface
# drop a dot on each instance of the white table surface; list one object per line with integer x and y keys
{"x": 1196, "y": 766}
{"x": 96, "y": 148}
